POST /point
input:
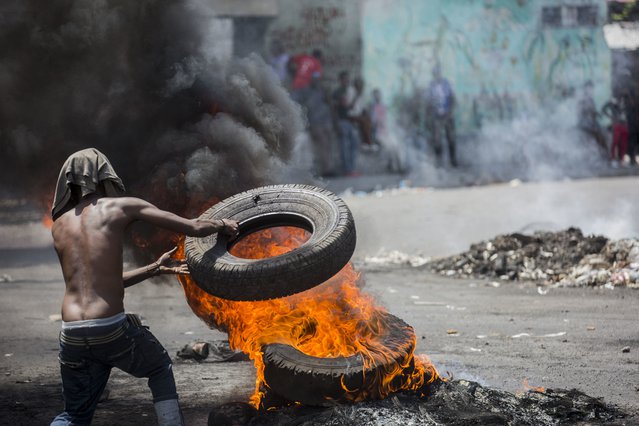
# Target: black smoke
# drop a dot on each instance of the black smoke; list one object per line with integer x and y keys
{"x": 136, "y": 80}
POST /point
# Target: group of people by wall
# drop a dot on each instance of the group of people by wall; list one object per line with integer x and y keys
{"x": 346, "y": 119}
{"x": 342, "y": 120}
{"x": 623, "y": 112}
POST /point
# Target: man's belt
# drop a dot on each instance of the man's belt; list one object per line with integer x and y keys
{"x": 131, "y": 319}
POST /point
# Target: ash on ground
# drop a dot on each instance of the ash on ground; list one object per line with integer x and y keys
{"x": 564, "y": 258}
{"x": 456, "y": 402}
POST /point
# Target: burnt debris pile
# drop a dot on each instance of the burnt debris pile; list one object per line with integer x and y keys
{"x": 565, "y": 258}
{"x": 456, "y": 402}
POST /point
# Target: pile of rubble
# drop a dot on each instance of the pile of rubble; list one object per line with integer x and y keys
{"x": 565, "y": 258}
{"x": 455, "y": 402}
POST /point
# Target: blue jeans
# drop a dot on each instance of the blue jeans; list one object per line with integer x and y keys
{"x": 348, "y": 144}
{"x": 85, "y": 368}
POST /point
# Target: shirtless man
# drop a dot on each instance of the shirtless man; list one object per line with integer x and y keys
{"x": 90, "y": 217}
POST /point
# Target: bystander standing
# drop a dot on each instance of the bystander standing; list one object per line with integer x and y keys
{"x": 631, "y": 109}
{"x": 377, "y": 111}
{"x": 360, "y": 116}
{"x": 320, "y": 126}
{"x": 279, "y": 60}
{"x": 440, "y": 106}
{"x": 613, "y": 109}
{"x": 303, "y": 67}
{"x": 588, "y": 119}
{"x": 343, "y": 99}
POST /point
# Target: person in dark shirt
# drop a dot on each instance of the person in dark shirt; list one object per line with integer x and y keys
{"x": 320, "y": 125}
{"x": 631, "y": 109}
{"x": 588, "y": 119}
{"x": 440, "y": 108}
{"x": 343, "y": 99}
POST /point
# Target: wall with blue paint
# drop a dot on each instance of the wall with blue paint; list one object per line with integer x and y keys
{"x": 496, "y": 46}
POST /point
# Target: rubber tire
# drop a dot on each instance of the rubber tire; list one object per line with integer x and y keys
{"x": 329, "y": 248}
{"x": 310, "y": 380}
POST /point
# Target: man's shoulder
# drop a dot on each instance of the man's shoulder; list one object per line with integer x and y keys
{"x": 124, "y": 202}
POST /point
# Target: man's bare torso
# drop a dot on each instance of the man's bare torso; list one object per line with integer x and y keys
{"x": 88, "y": 240}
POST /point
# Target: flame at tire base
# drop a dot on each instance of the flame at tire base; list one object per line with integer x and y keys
{"x": 333, "y": 319}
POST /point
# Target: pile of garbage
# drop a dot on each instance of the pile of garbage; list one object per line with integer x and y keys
{"x": 454, "y": 402}
{"x": 564, "y": 258}
{"x": 385, "y": 259}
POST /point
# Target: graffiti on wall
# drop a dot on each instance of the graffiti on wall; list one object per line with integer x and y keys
{"x": 500, "y": 59}
{"x": 313, "y": 28}
{"x": 331, "y": 26}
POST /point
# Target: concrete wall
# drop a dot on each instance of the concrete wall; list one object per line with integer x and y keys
{"x": 330, "y": 25}
{"x": 498, "y": 46}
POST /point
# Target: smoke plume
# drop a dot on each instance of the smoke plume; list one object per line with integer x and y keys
{"x": 137, "y": 80}
{"x": 539, "y": 143}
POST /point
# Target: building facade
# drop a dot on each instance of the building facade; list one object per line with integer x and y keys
{"x": 501, "y": 56}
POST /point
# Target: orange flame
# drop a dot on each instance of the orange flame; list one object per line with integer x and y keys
{"x": 527, "y": 388}
{"x": 330, "y": 320}
{"x": 47, "y": 220}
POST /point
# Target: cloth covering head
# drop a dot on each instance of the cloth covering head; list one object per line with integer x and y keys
{"x": 85, "y": 169}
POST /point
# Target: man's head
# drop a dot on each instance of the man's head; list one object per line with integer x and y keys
{"x": 84, "y": 173}
{"x": 344, "y": 78}
{"x": 277, "y": 48}
{"x": 589, "y": 86}
{"x": 437, "y": 72}
{"x": 317, "y": 54}
{"x": 377, "y": 95}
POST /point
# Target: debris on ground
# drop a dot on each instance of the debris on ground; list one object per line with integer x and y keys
{"x": 216, "y": 351}
{"x": 395, "y": 258}
{"x": 564, "y": 258}
{"x": 455, "y": 402}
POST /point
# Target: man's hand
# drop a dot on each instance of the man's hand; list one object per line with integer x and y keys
{"x": 205, "y": 227}
{"x": 168, "y": 265}
{"x": 230, "y": 228}
{"x": 164, "y": 265}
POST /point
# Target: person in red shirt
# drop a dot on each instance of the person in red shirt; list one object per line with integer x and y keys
{"x": 614, "y": 110}
{"x": 304, "y": 67}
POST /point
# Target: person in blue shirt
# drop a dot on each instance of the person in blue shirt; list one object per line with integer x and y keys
{"x": 440, "y": 107}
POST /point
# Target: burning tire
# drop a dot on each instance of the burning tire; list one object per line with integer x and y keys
{"x": 310, "y": 380}
{"x": 316, "y": 210}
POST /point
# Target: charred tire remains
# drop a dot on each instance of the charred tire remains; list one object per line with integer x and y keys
{"x": 310, "y": 380}
{"x": 318, "y": 211}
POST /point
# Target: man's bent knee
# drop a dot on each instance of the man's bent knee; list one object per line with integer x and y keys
{"x": 162, "y": 383}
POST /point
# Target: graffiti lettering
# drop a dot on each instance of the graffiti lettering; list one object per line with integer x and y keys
{"x": 316, "y": 26}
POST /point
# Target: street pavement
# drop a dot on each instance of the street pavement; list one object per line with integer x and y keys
{"x": 501, "y": 334}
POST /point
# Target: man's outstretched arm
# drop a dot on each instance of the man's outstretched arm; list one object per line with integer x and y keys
{"x": 164, "y": 265}
{"x": 138, "y": 209}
